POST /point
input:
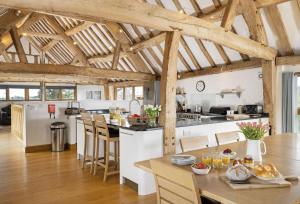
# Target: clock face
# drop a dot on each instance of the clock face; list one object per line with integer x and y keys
{"x": 200, "y": 86}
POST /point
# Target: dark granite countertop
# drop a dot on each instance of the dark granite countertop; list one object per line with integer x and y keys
{"x": 182, "y": 123}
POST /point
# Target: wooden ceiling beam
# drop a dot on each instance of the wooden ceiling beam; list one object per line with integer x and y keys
{"x": 18, "y": 45}
{"x": 235, "y": 66}
{"x": 42, "y": 35}
{"x": 74, "y": 71}
{"x": 69, "y": 41}
{"x": 147, "y": 15}
{"x": 214, "y": 15}
{"x": 106, "y": 58}
{"x": 116, "y": 57}
{"x": 230, "y": 14}
{"x": 118, "y": 34}
{"x": 82, "y": 26}
{"x": 253, "y": 19}
{"x": 276, "y": 24}
{"x": 50, "y": 78}
{"x": 149, "y": 42}
{"x": 126, "y": 83}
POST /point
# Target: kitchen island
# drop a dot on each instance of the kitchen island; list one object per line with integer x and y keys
{"x": 138, "y": 145}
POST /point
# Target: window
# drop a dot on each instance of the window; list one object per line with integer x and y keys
{"x": 16, "y": 94}
{"x": 120, "y": 94}
{"x": 57, "y": 93}
{"x": 68, "y": 94}
{"x": 128, "y": 93}
{"x": 139, "y": 92}
{"x": 34, "y": 94}
{"x": 52, "y": 94}
{"x": 2, "y": 94}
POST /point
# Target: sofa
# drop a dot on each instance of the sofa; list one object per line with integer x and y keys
{"x": 5, "y": 115}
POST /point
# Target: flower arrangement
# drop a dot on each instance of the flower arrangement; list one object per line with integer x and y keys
{"x": 152, "y": 111}
{"x": 253, "y": 131}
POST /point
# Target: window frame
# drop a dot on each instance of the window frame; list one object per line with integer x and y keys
{"x": 5, "y": 94}
{"x": 60, "y": 97}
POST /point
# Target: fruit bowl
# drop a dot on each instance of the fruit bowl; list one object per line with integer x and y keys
{"x": 201, "y": 171}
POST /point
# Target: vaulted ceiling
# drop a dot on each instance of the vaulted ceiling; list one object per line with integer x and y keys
{"x": 64, "y": 40}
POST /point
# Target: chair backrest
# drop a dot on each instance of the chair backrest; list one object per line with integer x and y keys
{"x": 227, "y": 137}
{"x": 101, "y": 126}
{"x": 174, "y": 185}
{"x": 193, "y": 143}
{"x": 88, "y": 122}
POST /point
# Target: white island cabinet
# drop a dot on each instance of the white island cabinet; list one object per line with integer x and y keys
{"x": 144, "y": 145}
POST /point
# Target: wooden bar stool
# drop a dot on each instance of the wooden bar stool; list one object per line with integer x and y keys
{"x": 89, "y": 131}
{"x": 102, "y": 132}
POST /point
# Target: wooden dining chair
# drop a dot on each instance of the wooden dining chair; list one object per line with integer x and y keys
{"x": 174, "y": 185}
{"x": 193, "y": 143}
{"x": 227, "y": 137}
{"x": 102, "y": 132}
{"x": 89, "y": 131}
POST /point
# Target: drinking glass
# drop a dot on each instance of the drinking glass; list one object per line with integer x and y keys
{"x": 225, "y": 160}
{"x": 217, "y": 161}
{"x": 207, "y": 159}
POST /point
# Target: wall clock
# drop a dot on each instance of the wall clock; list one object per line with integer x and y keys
{"x": 200, "y": 86}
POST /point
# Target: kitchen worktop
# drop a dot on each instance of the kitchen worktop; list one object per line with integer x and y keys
{"x": 182, "y": 123}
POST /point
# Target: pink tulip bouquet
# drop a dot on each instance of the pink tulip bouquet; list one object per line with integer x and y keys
{"x": 253, "y": 131}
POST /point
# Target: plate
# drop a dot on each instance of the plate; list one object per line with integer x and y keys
{"x": 279, "y": 177}
{"x": 183, "y": 159}
{"x": 232, "y": 155}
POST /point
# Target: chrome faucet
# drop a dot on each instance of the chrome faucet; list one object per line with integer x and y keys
{"x": 130, "y": 103}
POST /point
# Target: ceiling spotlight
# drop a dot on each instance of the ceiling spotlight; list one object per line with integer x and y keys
{"x": 18, "y": 12}
{"x": 178, "y": 76}
{"x": 24, "y": 34}
{"x": 131, "y": 48}
{"x": 74, "y": 43}
{"x": 121, "y": 31}
{"x": 181, "y": 11}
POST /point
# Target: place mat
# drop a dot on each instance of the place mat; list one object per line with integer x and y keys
{"x": 256, "y": 183}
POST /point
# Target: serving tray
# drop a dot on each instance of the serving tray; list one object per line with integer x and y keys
{"x": 253, "y": 183}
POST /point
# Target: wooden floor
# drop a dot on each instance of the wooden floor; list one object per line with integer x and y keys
{"x": 55, "y": 178}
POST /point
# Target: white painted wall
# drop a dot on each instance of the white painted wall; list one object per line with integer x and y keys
{"x": 82, "y": 89}
{"x": 248, "y": 80}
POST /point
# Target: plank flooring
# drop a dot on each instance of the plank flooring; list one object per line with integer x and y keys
{"x": 47, "y": 177}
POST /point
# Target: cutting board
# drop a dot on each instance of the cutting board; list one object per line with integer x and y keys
{"x": 256, "y": 183}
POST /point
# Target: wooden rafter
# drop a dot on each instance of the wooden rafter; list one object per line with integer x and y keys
{"x": 139, "y": 13}
{"x": 253, "y": 19}
{"x": 42, "y": 35}
{"x": 73, "y": 71}
{"x": 18, "y": 45}
{"x": 116, "y": 57}
{"x": 82, "y": 26}
{"x": 69, "y": 41}
{"x": 229, "y": 14}
{"x": 276, "y": 24}
{"x": 118, "y": 34}
{"x": 214, "y": 15}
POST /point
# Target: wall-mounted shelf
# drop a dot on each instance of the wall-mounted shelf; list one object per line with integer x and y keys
{"x": 238, "y": 91}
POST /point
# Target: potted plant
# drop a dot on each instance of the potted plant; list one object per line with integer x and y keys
{"x": 152, "y": 113}
{"x": 254, "y": 132}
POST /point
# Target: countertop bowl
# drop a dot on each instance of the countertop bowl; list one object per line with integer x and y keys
{"x": 201, "y": 171}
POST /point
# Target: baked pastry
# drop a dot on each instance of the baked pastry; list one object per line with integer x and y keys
{"x": 248, "y": 160}
{"x": 268, "y": 171}
{"x": 237, "y": 161}
{"x": 238, "y": 173}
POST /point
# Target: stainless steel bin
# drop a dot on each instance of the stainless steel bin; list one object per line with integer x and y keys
{"x": 58, "y": 136}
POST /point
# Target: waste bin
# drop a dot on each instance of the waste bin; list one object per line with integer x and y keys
{"x": 58, "y": 136}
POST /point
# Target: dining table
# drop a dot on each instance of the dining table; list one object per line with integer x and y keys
{"x": 283, "y": 151}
